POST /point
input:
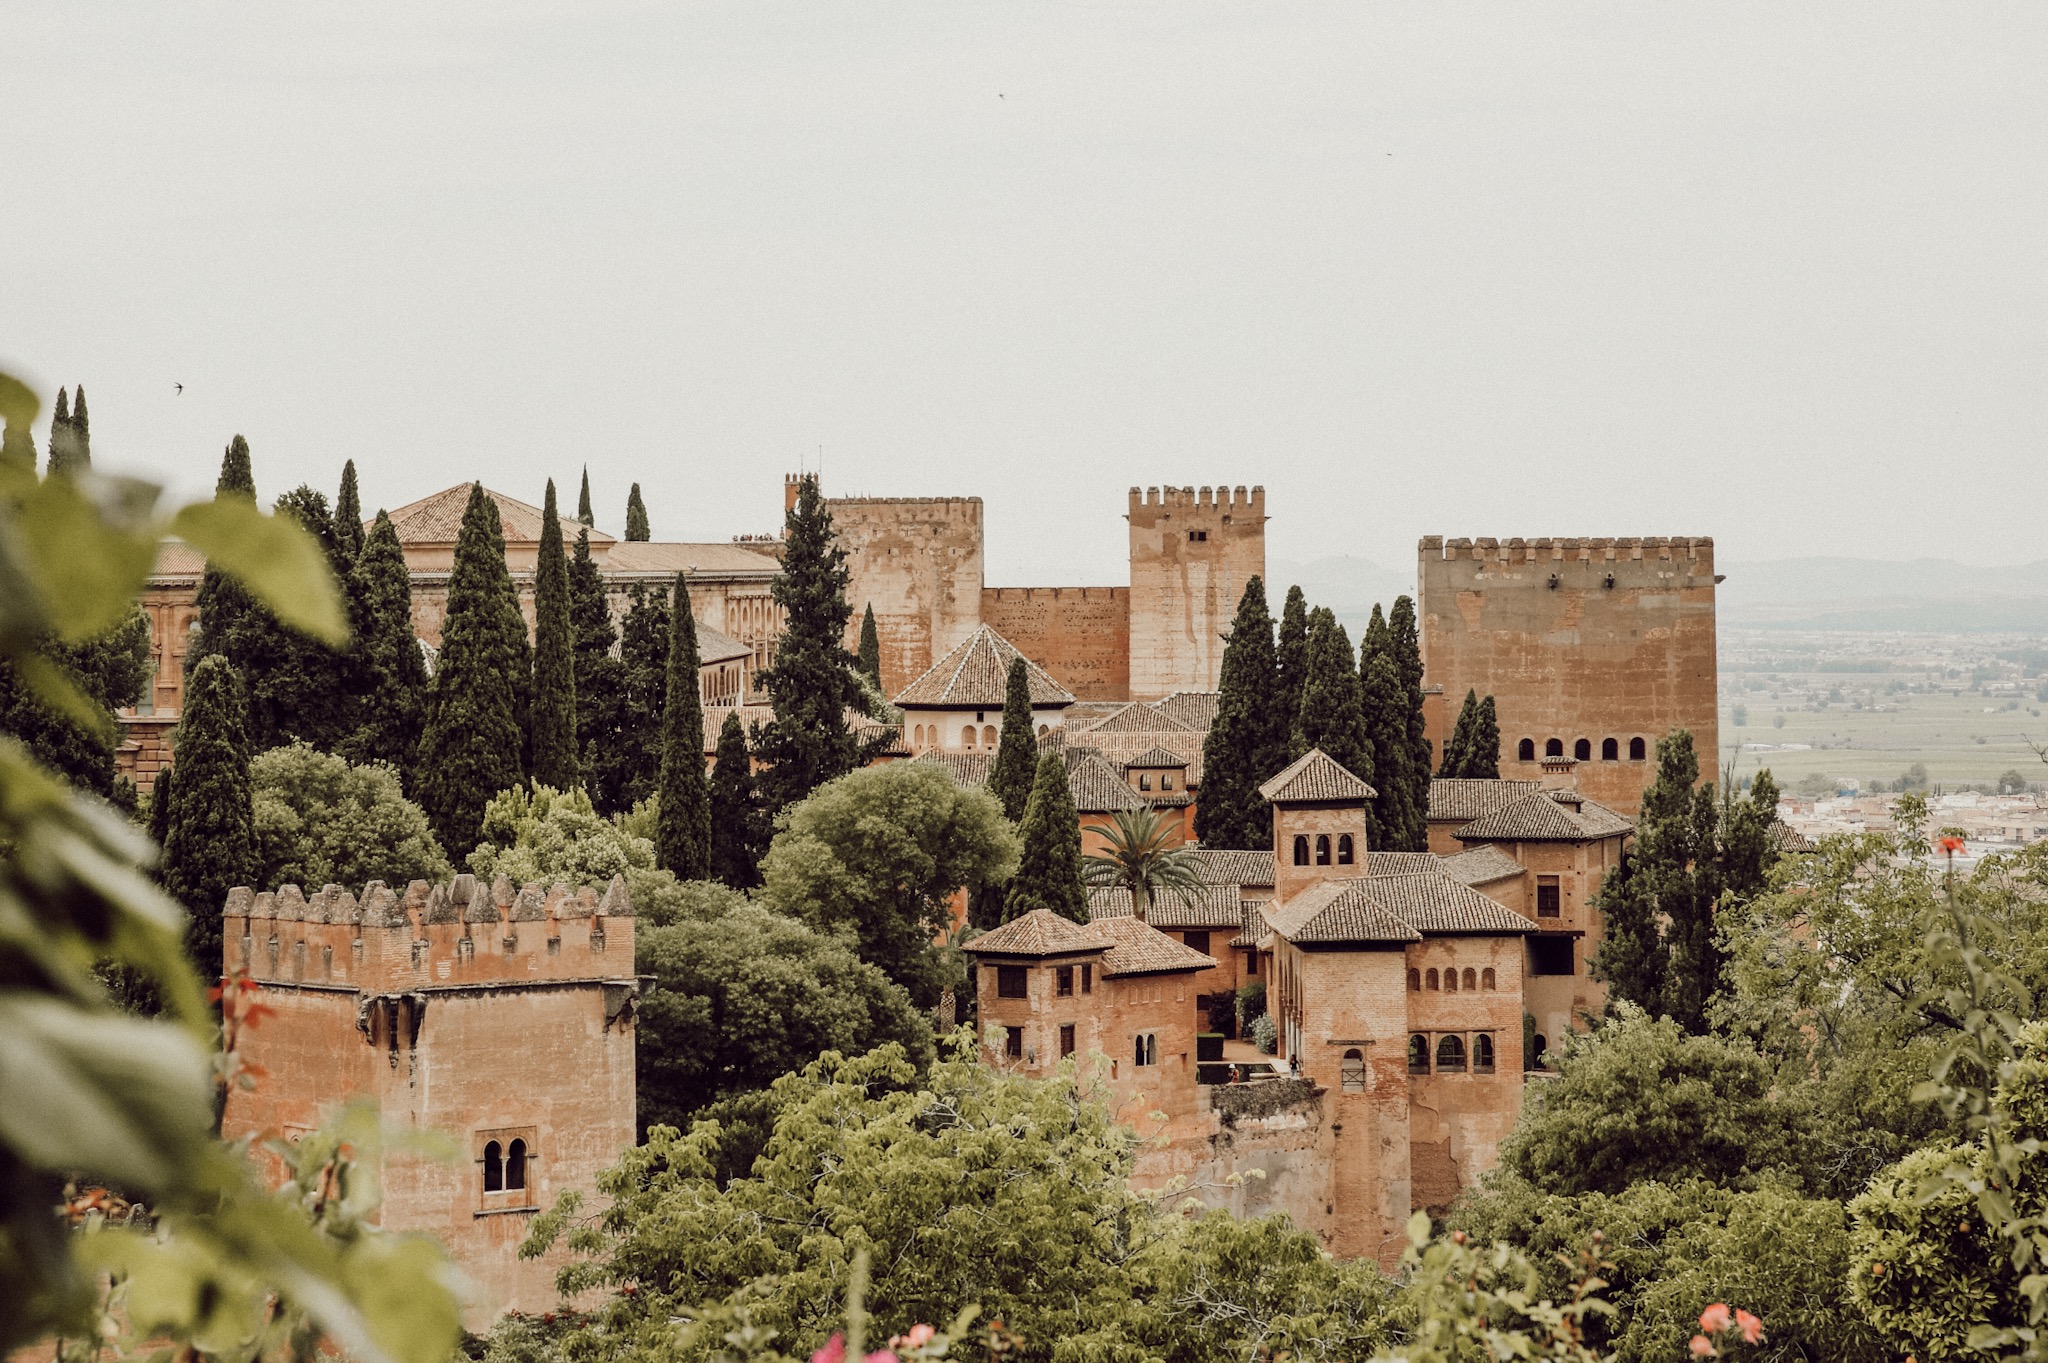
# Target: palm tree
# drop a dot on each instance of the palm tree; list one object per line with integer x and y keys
{"x": 1143, "y": 854}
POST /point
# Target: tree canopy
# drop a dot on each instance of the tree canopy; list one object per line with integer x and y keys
{"x": 1049, "y": 849}
{"x": 319, "y": 820}
{"x": 1248, "y": 743}
{"x": 682, "y": 839}
{"x": 1016, "y": 765}
{"x": 551, "y": 715}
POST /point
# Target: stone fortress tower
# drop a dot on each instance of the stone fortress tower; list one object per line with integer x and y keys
{"x": 1192, "y": 551}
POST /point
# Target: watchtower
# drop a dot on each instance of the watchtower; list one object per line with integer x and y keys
{"x": 1192, "y": 551}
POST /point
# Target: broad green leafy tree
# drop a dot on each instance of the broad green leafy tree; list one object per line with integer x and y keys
{"x": 880, "y": 853}
{"x": 470, "y": 748}
{"x": 319, "y": 820}
{"x": 1049, "y": 855}
{"x": 388, "y": 674}
{"x": 1248, "y": 743}
{"x": 1016, "y": 763}
{"x": 636, "y": 516}
{"x": 551, "y": 717}
{"x": 682, "y": 838}
{"x": 739, "y": 829}
{"x": 210, "y": 847}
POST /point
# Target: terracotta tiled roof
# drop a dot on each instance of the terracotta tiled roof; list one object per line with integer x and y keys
{"x": 1120, "y": 748}
{"x": 1339, "y": 911}
{"x": 1786, "y": 838}
{"x": 1099, "y": 788}
{"x": 1083, "y": 713}
{"x": 642, "y": 556}
{"x": 175, "y": 558}
{"x": 1400, "y": 863}
{"x": 975, "y": 675}
{"x": 713, "y": 647}
{"x": 1433, "y": 902}
{"x": 437, "y": 519}
{"x": 1156, "y": 756}
{"x": 1254, "y": 927}
{"x": 1481, "y": 865}
{"x": 1040, "y": 932}
{"x": 750, "y": 715}
{"x": 1140, "y": 949}
{"x": 1196, "y": 709}
{"x": 1316, "y": 778}
{"x": 1212, "y": 906}
{"x": 1139, "y": 718}
{"x": 1540, "y": 816}
{"x": 1464, "y": 800}
{"x": 1232, "y": 866}
{"x": 970, "y": 769}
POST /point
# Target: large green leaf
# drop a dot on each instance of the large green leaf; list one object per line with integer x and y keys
{"x": 274, "y": 557}
{"x": 87, "y": 564}
{"x": 18, "y": 403}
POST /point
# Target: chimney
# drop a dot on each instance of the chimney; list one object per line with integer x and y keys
{"x": 1557, "y": 773}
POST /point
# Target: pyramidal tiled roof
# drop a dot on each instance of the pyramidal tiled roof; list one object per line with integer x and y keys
{"x": 1128, "y": 946}
{"x": 1156, "y": 757}
{"x": 1211, "y": 906}
{"x": 714, "y": 647}
{"x": 437, "y": 519}
{"x": 1541, "y": 816}
{"x": 1316, "y": 778}
{"x": 975, "y": 675}
{"x": 1432, "y": 902}
{"x": 1463, "y": 799}
{"x": 1138, "y": 718}
{"x": 1040, "y": 932}
{"x": 1233, "y": 866}
{"x": 1099, "y": 788}
{"x": 970, "y": 769}
{"x": 1196, "y": 709}
{"x": 1339, "y": 911}
{"x": 1481, "y": 865}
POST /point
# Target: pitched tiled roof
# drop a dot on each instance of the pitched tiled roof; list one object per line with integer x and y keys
{"x": 713, "y": 647}
{"x": 1040, "y": 932}
{"x": 1211, "y": 906}
{"x": 1140, "y": 949}
{"x": 1400, "y": 863}
{"x": 1316, "y": 778}
{"x": 1083, "y": 713}
{"x": 1464, "y": 800}
{"x": 1156, "y": 756}
{"x": 1540, "y": 816}
{"x": 1433, "y": 902}
{"x": 1138, "y": 718}
{"x": 175, "y": 558}
{"x": 975, "y": 675}
{"x": 970, "y": 769}
{"x": 1786, "y": 838}
{"x": 1099, "y": 788}
{"x": 1196, "y": 709}
{"x": 437, "y": 519}
{"x": 1254, "y": 927}
{"x": 1481, "y": 865}
{"x": 643, "y": 556}
{"x": 1120, "y": 748}
{"x": 1339, "y": 911}
{"x": 1233, "y": 866}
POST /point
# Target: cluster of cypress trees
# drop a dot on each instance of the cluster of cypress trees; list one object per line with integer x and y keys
{"x": 1472, "y": 752}
{"x": 1283, "y": 693}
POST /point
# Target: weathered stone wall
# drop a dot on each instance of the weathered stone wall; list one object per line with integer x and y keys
{"x": 1192, "y": 551}
{"x": 1576, "y": 639}
{"x": 918, "y": 562}
{"x": 1081, "y": 635}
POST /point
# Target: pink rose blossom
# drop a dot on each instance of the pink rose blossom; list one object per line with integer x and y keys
{"x": 1752, "y": 1328}
{"x": 1715, "y": 1318}
{"x": 1702, "y": 1347}
{"x": 917, "y": 1338}
{"x": 833, "y": 1352}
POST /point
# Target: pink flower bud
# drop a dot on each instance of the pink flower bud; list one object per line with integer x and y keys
{"x": 1701, "y": 1347}
{"x": 1715, "y": 1318}
{"x": 833, "y": 1352}
{"x": 1752, "y": 1328}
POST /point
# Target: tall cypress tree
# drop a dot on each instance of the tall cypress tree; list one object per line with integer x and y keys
{"x": 1404, "y": 642}
{"x": 583, "y": 509}
{"x": 1049, "y": 870}
{"x": 470, "y": 746}
{"x": 636, "y": 515}
{"x": 1399, "y": 821}
{"x": 625, "y": 769}
{"x": 811, "y": 683}
{"x": 64, "y": 447}
{"x": 387, "y": 673}
{"x": 1015, "y": 769}
{"x": 81, "y": 431}
{"x": 348, "y": 515}
{"x": 599, "y": 676}
{"x": 1290, "y": 662}
{"x": 1482, "y": 760}
{"x": 209, "y": 843}
{"x": 1247, "y": 745}
{"x": 297, "y": 687}
{"x": 224, "y": 603}
{"x": 739, "y": 835}
{"x": 552, "y": 713}
{"x": 682, "y": 836}
{"x": 1333, "y": 707}
{"x": 870, "y": 647}
{"x": 1460, "y": 741}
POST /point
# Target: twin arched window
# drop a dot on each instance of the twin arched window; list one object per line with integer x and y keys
{"x": 504, "y": 1167}
{"x": 1450, "y": 1054}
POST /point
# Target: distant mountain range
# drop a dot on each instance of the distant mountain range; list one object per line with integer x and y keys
{"x": 1934, "y": 595}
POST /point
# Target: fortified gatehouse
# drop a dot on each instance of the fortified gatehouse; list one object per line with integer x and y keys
{"x": 501, "y": 1017}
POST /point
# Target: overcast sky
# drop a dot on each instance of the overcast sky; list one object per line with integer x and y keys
{"x": 1772, "y": 273}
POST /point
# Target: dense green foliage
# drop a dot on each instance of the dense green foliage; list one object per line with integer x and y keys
{"x": 348, "y": 515}
{"x": 1011, "y": 775}
{"x": 1332, "y": 714}
{"x": 1049, "y": 852}
{"x": 551, "y": 715}
{"x": 470, "y": 747}
{"x": 1472, "y": 752}
{"x": 210, "y": 847}
{"x": 70, "y": 437}
{"x": 318, "y": 820}
{"x": 625, "y": 765}
{"x": 298, "y": 687}
{"x": 387, "y": 672}
{"x": 1401, "y": 807}
{"x": 636, "y": 516}
{"x": 1142, "y": 852}
{"x": 682, "y": 839}
{"x": 1247, "y": 745}
{"x": 584, "y": 511}
{"x": 813, "y": 681}
{"x": 110, "y": 670}
{"x": 537, "y": 833}
{"x": 880, "y": 853}
{"x": 1290, "y": 661}
{"x": 600, "y": 677}
{"x": 1404, "y": 647}
{"x": 739, "y": 827}
{"x": 870, "y": 647}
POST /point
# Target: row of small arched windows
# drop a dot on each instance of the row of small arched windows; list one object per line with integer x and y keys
{"x": 504, "y": 1166}
{"x": 1419, "y": 980}
{"x": 924, "y": 736}
{"x": 1347, "y": 850}
{"x": 1582, "y": 750}
{"x": 1450, "y": 1054}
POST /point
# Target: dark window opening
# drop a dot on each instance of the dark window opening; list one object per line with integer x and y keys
{"x": 1432, "y": 978}
{"x": 1450, "y": 1054}
{"x": 1418, "y": 1054}
{"x": 1198, "y": 940}
{"x": 1346, "y": 850}
{"x": 1353, "y": 1073}
{"x": 1471, "y": 980}
{"x": 1300, "y": 850}
{"x": 1013, "y": 1043}
{"x": 1144, "y": 780}
{"x": 1012, "y": 982}
{"x": 1550, "y": 956}
{"x": 1414, "y": 980}
{"x": 494, "y": 1167}
{"x": 1553, "y": 747}
{"x": 1450, "y": 981}
{"x": 1583, "y": 750}
{"x": 1635, "y": 750}
{"x": 1066, "y": 1040}
{"x": 1486, "y": 979}
{"x": 1322, "y": 849}
{"x": 515, "y": 1165}
{"x": 1482, "y": 1054}
{"x": 1166, "y": 780}
{"x": 1536, "y": 1049}
{"x": 1087, "y": 979}
{"x": 1526, "y": 750}
{"x": 1547, "y": 897}
{"x": 1145, "y": 1050}
{"x": 1063, "y": 981}
{"x": 1610, "y": 751}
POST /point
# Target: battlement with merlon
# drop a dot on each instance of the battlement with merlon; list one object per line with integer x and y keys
{"x": 1694, "y": 550}
{"x": 1200, "y": 499}
{"x": 461, "y": 933}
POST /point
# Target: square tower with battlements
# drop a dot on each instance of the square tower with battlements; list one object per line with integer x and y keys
{"x": 1192, "y": 551}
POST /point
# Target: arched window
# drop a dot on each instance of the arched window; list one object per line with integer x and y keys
{"x": 1486, "y": 979}
{"x": 1450, "y": 1054}
{"x": 1471, "y": 980}
{"x": 1144, "y": 780}
{"x": 1418, "y": 1054}
{"x": 1450, "y": 981}
{"x": 1301, "y": 849}
{"x": 1044, "y": 729}
{"x": 1525, "y": 751}
{"x": 1536, "y": 1050}
{"x": 1432, "y": 977}
{"x": 1482, "y": 1054}
{"x": 1553, "y": 747}
{"x": 1583, "y": 750}
{"x": 1414, "y": 980}
{"x": 515, "y": 1165}
{"x": 1345, "y": 850}
{"x": 988, "y": 736}
{"x": 1635, "y": 750}
{"x": 1322, "y": 849}
{"x": 1353, "y": 1072}
{"x": 1610, "y": 751}
{"x": 967, "y": 736}
{"x": 494, "y": 1168}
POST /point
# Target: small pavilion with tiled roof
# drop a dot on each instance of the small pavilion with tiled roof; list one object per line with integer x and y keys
{"x": 956, "y": 705}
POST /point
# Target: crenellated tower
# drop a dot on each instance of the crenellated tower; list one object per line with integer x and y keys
{"x": 1192, "y": 551}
